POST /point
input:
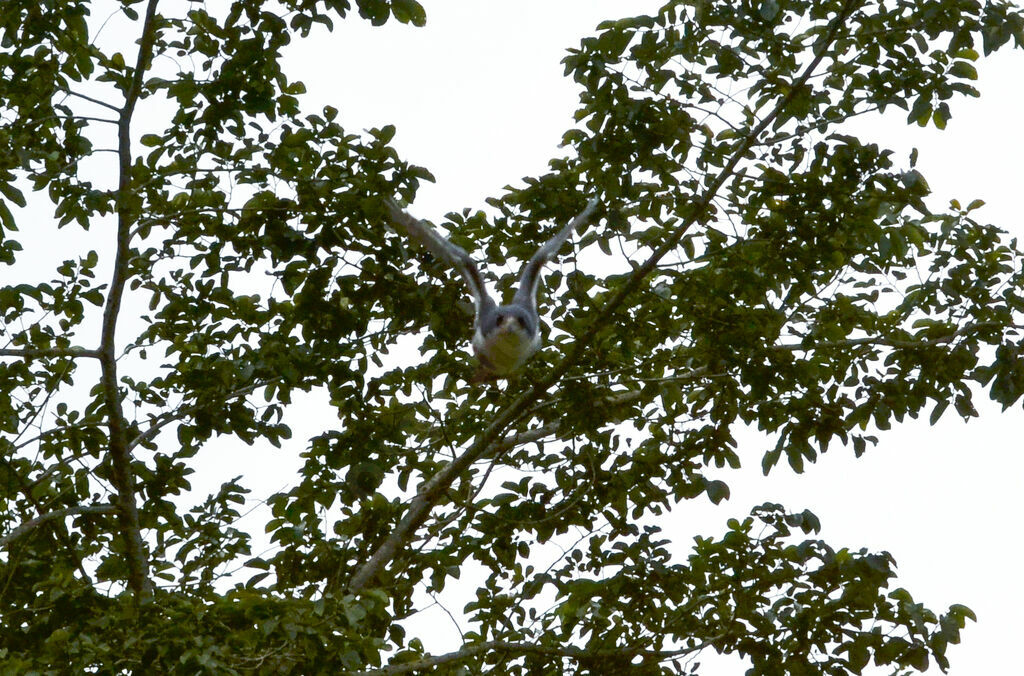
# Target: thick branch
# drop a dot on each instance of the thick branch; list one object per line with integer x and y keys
{"x": 434, "y": 488}
{"x": 32, "y": 524}
{"x": 120, "y": 455}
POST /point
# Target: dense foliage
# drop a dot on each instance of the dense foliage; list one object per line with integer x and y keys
{"x": 767, "y": 270}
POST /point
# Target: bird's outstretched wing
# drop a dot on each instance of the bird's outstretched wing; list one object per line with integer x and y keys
{"x": 422, "y": 232}
{"x": 526, "y": 294}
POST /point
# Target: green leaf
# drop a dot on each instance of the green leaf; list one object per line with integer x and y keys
{"x": 937, "y": 411}
{"x": 769, "y": 9}
{"x": 12, "y": 193}
{"x": 409, "y": 11}
{"x": 377, "y": 11}
{"x": 921, "y": 112}
{"x": 385, "y": 134}
{"x": 717, "y": 491}
{"x": 961, "y": 611}
{"x": 6, "y": 217}
{"x": 964, "y": 70}
{"x": 858, "y": 656}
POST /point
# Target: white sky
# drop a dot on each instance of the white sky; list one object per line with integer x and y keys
{"x": 479, "y": 99}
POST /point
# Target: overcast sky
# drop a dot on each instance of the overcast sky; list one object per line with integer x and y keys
{"x": 478, "y": 98}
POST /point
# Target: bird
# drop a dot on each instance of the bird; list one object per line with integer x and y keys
{"x": 504, "y": 336}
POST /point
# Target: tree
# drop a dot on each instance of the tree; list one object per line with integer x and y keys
{"x": 771, "y": 271}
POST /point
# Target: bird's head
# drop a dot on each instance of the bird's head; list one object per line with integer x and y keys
{"x": 514, "y": 319}
{"x": 506, "y": 337}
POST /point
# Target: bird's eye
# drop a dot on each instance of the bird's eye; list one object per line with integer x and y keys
{"x": 522, "y": 322}
{"x": 500, "y": 320}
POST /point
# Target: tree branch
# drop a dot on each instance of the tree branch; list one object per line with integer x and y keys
{"x": 498, "y": 448}
{"x": 571, "y": 652}
{"x": 26, "y": 487}
{"x": 157, "y": 423}
{"x": 434, "y": 487}
{"x": 94, "y": 100}
{"x": 120, "y": 454}
{"x": 32, "y": 524}
{"x": 36, "y": 353}
{"x": 889, "y": 342}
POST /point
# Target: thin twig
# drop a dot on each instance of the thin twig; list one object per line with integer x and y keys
{"x": 96, "y": 101}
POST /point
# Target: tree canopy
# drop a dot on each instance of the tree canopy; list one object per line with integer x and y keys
{"x": 753, "y": 264}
